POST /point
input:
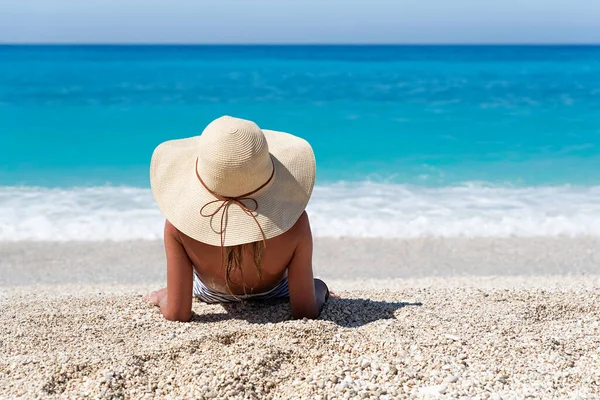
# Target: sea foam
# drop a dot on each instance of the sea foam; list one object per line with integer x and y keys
{"x": 337, "y": 210}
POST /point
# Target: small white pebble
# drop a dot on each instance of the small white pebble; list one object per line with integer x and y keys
{"x": 451, "y": 337}
{"x": 433, "y": 390}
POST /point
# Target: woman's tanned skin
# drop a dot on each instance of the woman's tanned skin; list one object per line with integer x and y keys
{"x": 291, "y": 251}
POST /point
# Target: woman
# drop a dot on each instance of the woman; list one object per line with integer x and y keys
{"x": 236, "y": 229}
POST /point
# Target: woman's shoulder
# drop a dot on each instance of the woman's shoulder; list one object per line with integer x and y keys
{"x": 302, "y": 225}
{"x": 298, "y": 232}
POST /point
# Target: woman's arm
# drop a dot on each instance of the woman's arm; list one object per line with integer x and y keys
{"x": 304, "y": 300}
{"x": 176, "y": 303}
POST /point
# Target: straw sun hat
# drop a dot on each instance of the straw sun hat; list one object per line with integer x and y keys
{"x": 233, "y": 184}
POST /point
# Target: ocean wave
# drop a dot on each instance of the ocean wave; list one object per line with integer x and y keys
{"x": 337, "y": 210}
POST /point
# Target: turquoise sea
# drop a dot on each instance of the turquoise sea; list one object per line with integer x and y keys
{"x": 410, "y": 140}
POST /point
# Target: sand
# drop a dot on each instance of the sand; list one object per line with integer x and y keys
{"x": 79, "y": 326}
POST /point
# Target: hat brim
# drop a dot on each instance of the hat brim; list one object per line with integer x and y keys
{"x": 180, "y": 195}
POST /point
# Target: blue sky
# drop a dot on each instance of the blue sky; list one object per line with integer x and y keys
{"x": 300, "y": 21}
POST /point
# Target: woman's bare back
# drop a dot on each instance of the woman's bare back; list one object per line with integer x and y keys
{"x": 276, "y": 256}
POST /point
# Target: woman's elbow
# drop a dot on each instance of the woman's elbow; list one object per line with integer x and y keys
{"x": 177, "y": 316}
{"x": 310, "y": 313}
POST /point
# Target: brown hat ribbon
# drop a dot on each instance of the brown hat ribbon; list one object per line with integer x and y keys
{"x": 237, "y": 200}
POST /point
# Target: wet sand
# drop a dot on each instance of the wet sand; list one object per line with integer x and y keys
{"x": 26, "y": 263}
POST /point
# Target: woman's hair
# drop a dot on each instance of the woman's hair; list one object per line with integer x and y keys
{"x": 234, "y": 258}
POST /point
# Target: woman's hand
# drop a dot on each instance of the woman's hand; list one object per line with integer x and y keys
{"x": 157, "y": 297}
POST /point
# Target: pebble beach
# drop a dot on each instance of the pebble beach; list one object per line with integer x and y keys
{"x": 503, "y": 336}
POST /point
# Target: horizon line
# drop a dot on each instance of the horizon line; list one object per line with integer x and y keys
{"x": 293, "y": 44}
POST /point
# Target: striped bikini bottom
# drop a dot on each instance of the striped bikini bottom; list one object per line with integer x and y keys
{"x": 211, "y": 296}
